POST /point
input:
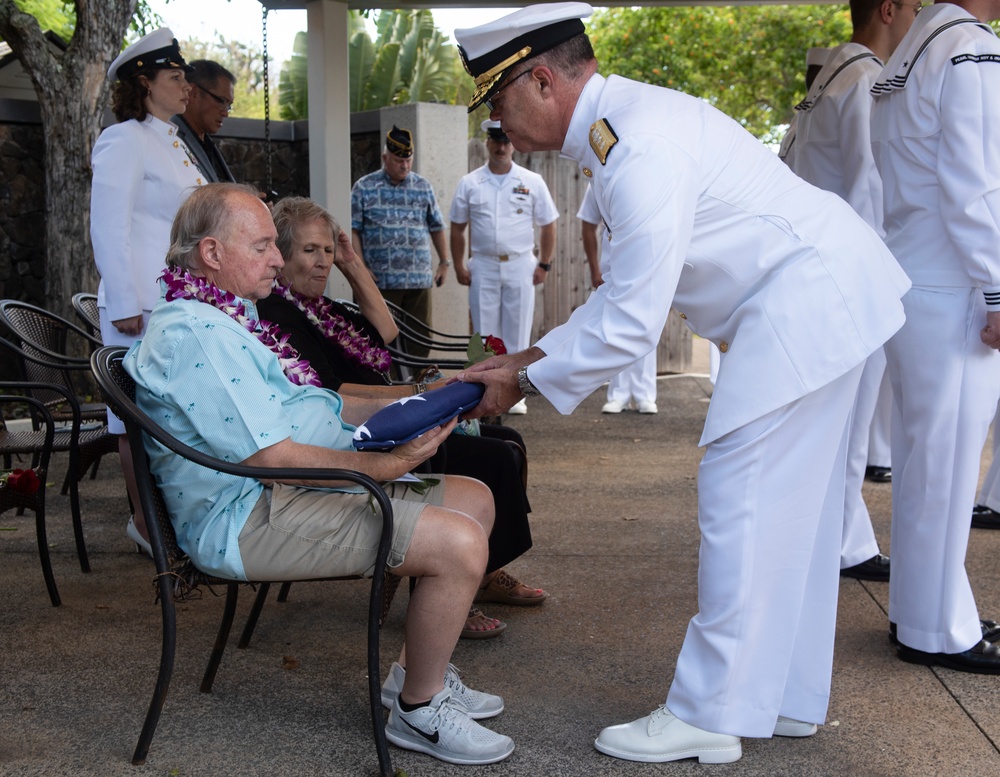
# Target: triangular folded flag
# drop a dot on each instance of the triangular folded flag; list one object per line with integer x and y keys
{"x": 410, "y": 417}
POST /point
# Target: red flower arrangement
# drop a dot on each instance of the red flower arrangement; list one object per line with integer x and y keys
{"x": 22, "y": 481}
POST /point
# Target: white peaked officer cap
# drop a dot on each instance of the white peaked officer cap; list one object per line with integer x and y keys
{"x": 494, "y": 131}
{"x": 490, "y": 50}
{"x": 156, "y": 51}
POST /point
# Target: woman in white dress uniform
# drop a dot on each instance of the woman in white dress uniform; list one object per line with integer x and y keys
{"x": 142, "y": 174}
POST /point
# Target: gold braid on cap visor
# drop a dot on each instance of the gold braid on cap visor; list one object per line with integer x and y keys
{"x": 486, "y": 82}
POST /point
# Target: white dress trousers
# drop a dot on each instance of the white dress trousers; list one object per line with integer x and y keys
{"x": 502, "y": 298}
{"x": 768, "y": 565}
{"x": 943, "y": 409}
{"x": 636, "y": 382}
{"x": 989, "y": 494}
{"x": 878, "y": 433}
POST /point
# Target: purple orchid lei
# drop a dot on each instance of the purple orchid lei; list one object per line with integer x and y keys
{"x": 355, "y": 344}
{"x": 182, "y": 285}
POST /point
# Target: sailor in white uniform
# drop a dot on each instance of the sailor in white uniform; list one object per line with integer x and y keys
{"x": 142, "y": 172}
{"x": 936, "y": 139}
{"x": 834, "y": 152}
{"x": 795, "y": 289}
{"x": 500, "y": 204}
{"x": 637, "y": 382}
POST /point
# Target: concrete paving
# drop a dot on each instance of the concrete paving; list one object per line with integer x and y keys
{"x": 616, "y": 546}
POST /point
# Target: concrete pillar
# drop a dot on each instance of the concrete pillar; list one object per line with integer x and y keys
{"x": 329, "y": 114}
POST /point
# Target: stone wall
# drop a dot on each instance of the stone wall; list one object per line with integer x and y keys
{"x": 22, "y": 214}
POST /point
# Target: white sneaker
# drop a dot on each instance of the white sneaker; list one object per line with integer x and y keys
{"x": 141, "y": 543}
{"x": 521, "y": 408}
{"x": 444, "y": 730}
{"x": 788, "y": 727}
{"x": 477, "y": 705}
{"x": 660, "y": 737}
{"x": 648, "y": 408}
{"x": 612, "y": 406}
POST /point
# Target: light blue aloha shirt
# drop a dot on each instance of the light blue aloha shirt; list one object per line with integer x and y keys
{"x": 395, "y": 223}
{"x": 216, "y": 388}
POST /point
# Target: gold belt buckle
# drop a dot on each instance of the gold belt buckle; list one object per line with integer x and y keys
{"x": 504, "y": 257}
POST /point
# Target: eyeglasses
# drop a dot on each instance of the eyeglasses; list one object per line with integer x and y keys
{"x": 490, "y": 105}
{"x": 915, "y": 6}
{"x": 223, "y": 102}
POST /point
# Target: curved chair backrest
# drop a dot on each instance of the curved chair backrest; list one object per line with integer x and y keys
{"x": 85, "y": 307}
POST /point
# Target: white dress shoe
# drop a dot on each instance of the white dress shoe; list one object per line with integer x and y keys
{"x": 612, "y": 406}
{"x": 521, "y": 408}
{"x": 660, "y": 736}
{"x": 787, "y": 727}
{"x": 648, "y": 408}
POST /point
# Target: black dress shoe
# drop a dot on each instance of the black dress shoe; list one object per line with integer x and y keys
{"x": 878, "y": 474}
{"x": 875, "y": 568}
{"x": 983, "y": 658}
{"x": 985, "y": 518}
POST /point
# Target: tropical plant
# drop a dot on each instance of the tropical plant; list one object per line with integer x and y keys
{"x": 748, "y": 61}
{"x": 409, "y": 61}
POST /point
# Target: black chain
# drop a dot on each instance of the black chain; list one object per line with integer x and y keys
{"x": 267, "y": 104}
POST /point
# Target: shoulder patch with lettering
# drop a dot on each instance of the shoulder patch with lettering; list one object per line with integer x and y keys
{"x": 975, "y": 58}
{"x": 602, "y": 139}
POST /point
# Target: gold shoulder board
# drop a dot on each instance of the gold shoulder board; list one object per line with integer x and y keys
{"x": 602, "y": 139}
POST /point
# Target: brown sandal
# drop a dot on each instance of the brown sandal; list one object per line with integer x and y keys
{"x": 499, "y": 590}
{"x": 488, "y": 627}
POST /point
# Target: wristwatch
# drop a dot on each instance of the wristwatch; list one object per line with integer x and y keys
{"x": 525, "y": 385}
{"x": 545, "y": 266}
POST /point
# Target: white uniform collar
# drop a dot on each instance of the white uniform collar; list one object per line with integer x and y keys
{"x": 840, "y": 57}
{"x": 576, "y": 144}
{"x": 927, "y": 26}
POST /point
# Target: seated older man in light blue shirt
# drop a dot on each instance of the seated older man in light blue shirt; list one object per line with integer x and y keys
{"x": 227, "y": 384}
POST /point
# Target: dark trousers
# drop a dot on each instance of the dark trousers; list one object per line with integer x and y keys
{"x": 416, "y": 302}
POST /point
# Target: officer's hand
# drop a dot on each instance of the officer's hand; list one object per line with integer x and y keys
{"x": 596, "y": 279}
{"x": 129, "y": 326}
{"x": 463, "y": 275}
{"x": 539, "y": 276}
{"x": 501, "y": 394}
{"x": 990, "y": 334}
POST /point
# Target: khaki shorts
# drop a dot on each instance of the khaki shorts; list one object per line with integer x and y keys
{"x": 300, "y": 533}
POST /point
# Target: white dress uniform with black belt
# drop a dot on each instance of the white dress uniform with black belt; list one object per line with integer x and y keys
{"x": 936, "y": 140}
{"x": 833, "y": 152}
{"x": 142, "y": 172}
{"x": 502, "y": 212}
{"x": 638, "y": 380}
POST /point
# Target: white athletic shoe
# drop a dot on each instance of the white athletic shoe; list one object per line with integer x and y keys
{"x": 788, "y": 727}
{"x": 647, "y": 407}
{"x": 444, "y": 730}
{"x": 477, "y": 705}
{"x": 521, "y": 408}
{"x": 612, "y": 406}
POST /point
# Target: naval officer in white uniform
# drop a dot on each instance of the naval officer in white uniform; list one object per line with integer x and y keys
{"x": 142, "y": 174}
{"x": 936, "y": 140}
{"x": 796, "y": 290}
{"x": 637, "y": 382}
{"x": 834, "y": 152}
{"x": 500, "y": 204}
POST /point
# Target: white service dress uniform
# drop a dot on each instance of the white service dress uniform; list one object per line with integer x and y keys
{"x": 797, "y": 291}
{"x": 834, "y": 152}
{"x": 142, "y": 174}
{"x": 936, "y": 140}
{"x": 638, "y": 380}
{"x": 502, "y": 212}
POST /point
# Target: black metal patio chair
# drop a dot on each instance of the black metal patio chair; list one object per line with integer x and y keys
{"x": 177, "y": 576}
{"x": 37, "y": 443}
{"x": 85, "y": 307}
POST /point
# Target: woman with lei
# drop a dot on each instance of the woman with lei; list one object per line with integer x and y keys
{"x": 347, "y": 352}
